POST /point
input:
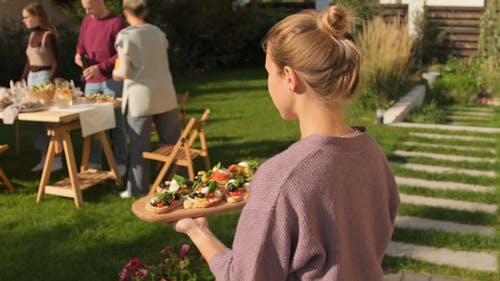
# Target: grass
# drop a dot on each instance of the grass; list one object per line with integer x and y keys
{"x": 55, "y": 241}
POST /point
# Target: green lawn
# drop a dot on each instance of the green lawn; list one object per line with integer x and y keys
{"x": 55, "y": 241}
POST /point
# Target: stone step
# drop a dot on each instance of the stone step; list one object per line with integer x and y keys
{"x": 472, "y": 109}
{"x": 442, "y": 256}
{"x": 447, "y": 203}
{"x": 445, "y": 170}
{"x": 446, "y": 127}
{"x": 443, "y": 185}
{"x": 464, "y": 123}
{"x": 452, "y": 137}
{"x": 448, "y": 146}
{"x": 425, "y": 224}
{"x": 468, "y": 118}
{"x": 471, "y": 113}
{"x": 447, "y": 157}
{"x": 412, "y": 276}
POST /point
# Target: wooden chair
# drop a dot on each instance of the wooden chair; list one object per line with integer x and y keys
{"x": 183, "y": 152}
{"x": 4, "y": 147}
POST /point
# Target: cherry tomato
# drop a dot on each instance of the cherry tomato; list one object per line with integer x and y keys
{"x": 236, "y": 193}
{"x": 219, "y": 176}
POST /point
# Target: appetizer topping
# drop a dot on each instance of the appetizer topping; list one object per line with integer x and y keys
{"x": 246, "y": 185}
{"x": 244, "y": 164}
{"x": 174, "y": 186}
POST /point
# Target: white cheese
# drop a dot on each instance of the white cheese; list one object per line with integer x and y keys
{"x": 174, "y": 186}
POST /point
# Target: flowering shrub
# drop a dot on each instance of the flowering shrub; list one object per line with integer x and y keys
{"x": 174, "y": 267}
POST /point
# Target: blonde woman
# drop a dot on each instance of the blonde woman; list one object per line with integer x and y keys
{"x": 323, "y": 209}
{"x": 41, "y": 67}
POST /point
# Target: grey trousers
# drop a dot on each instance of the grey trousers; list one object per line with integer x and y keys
{"x": 139, "y": 131}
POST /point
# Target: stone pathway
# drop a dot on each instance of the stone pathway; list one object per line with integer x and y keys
{"x": 448, "y": 157}
{"x": 447, "y": 127}
{"x": 411, "y": 276}
{"x": 454, "y": 147}
{"x": 424, "y": 136}
{"x": 421, "y": 223}
{"x": 448, "y": 203}
{"x": 445, "y": 170}
{"x": 430, "y": 184}
{"x": 442, "y": 256}
{"x": 452, "y": 137}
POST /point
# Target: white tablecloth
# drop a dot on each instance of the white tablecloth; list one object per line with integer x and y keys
{"x": 95, "y": 117}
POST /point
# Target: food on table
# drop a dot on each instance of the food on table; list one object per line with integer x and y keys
{"x": 209, "y": 188}
{"x": 4, "y": 102}
{"x": 43, "y": 93}
{"x": 207, "y": 192}
{"x": 63, "y": 97}
{"x": 238, "y": 185}
{"x": 168, "y": 196}
{"x": 97, "y": 98}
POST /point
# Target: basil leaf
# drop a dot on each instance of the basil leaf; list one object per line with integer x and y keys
{"x": 211, "y": 187}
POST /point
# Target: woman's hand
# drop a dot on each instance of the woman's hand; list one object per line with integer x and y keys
{"x": 184, "y": 225}
{"x": 197, "y": 229}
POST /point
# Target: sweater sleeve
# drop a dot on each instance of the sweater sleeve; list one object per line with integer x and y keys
{"x": 258, "y": 251}
{"x": 106, "y": 67}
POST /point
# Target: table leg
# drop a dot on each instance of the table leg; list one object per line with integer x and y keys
{"x": 109, "y": 156}
{"x": 85, "y": 154}
{"x": 71, "y": 164}
{"x": 47, "y": 167}
{"x": 18, "y": 139}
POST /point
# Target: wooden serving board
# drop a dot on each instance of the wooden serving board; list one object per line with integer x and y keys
{"x": 139, "y": 209}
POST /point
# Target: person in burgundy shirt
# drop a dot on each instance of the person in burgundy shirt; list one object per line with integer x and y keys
{"x": 96, "y": 54}
{"x": 323, "y": 209}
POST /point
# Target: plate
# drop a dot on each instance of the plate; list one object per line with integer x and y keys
{"x": 139, "y": 209}
{"x": 32, "y": 109}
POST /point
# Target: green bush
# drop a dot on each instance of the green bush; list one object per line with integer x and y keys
{"x": 430, "y": 112}
{"x": 12, "y": 46}
{"x": 488, "y": 77}
{"x": 458, "y": 78}
{"x": 211, "y": 34}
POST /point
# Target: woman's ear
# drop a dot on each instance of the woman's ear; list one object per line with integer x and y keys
{"x": 292, "y": 78}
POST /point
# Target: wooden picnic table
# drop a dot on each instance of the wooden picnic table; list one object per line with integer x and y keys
{"x": 59, "y": 130}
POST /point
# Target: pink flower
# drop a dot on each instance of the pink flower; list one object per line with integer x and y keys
{"x": 133, "y": 264}
{"x": 182, "y": 265}
{"x": 166, "y": 250}
{"x": 143, "y": 272}
{"x": 124, "y": 274}
{"x": 183, "y": 251}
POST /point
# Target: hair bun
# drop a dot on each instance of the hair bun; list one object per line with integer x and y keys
{"x": 333, "y": 21}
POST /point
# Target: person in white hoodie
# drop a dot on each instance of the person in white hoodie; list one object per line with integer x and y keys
{"x": 148, "y": 91}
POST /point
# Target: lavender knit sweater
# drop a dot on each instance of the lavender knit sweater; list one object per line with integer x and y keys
{"x": 324, "y": 209}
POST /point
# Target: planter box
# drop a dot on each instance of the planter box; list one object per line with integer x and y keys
{"x": 402, "y": 108}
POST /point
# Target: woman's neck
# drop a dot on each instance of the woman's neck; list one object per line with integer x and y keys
{"x": 136, "y": 21}
{"x": 320, "y": 119}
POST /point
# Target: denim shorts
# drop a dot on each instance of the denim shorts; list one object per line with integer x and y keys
{"x": 110, "y": 88}
{"x": 38, "y": 78}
